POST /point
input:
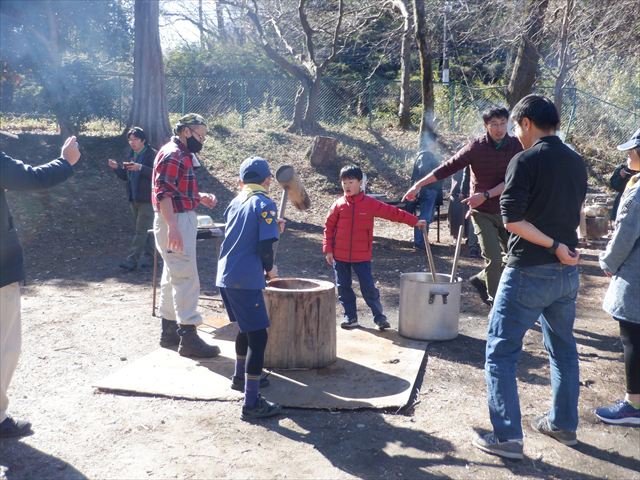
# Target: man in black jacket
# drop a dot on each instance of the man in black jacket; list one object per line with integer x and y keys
{"x": 15, "y": 175}
{"x": 545, "y": 186}
{"x": 137, "y": 173}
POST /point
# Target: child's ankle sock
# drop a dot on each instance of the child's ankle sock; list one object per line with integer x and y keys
{"x": 240, "y": 366}
{"x": 251, "y": 390}
{"x": 635, "y": 405}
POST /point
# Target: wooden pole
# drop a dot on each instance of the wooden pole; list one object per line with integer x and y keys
{"x": 457, "y": 254}
{"x": 427, "y": 247}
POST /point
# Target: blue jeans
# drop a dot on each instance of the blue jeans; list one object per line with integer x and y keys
{"x": 426, "y": 204}
{"x": 346, "y": 295}
{"x": 546, "y": 293}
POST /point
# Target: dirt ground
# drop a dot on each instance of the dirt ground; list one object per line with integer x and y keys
{"x": 84, "y": 319}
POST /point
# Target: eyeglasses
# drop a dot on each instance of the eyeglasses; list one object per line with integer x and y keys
{"x": 200, "y": 138}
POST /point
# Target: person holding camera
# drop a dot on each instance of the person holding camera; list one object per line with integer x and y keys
{"x": 137, "y": 173}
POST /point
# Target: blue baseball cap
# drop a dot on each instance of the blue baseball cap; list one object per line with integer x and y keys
{"x": 634, "y": 142}
{"x": 254, "y": 170}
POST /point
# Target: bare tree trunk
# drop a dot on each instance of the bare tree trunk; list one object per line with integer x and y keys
{"x": 525, "y": 69}
{"x": 564, "y": 60}
{"x": 299, "y": 108}
{"x": 222, "y": 31}
{"x": 310, "y": 123}
{"x": 426, "y": 72}
{"x": 149, "y": 106}
{"x": 404, "y": 107}
{"x": 55, "y": 88}
{"x": 200, "y": 20}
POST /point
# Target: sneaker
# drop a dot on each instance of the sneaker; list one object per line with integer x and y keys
{"x": 237, "y": 383}
{"x": 508, "y": 449}
{"x": 620, "y": 413}
{"x": 350, "y": 323}
{"x": 11, "y": 427}
{"x": 543, "y": 425}
{"x": 263, "y": 409}
{"x": 382, "y": 323}
{"x": 481, "y": 287}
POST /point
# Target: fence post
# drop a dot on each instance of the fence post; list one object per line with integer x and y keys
{"x": 184, "y": 95}
{"x": 120, "y": 102}
{"x": 243, "y": 93}
{"x": 452, "y": 105}
{"x": 572, "y": 93}
{"x": 369, "y": 104}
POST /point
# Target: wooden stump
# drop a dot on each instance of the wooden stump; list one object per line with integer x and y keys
{"x": 323, "y": 151}
{"x": 302, "y": 313}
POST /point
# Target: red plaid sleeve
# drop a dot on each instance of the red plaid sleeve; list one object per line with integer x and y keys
{"x": 173, "y": 177}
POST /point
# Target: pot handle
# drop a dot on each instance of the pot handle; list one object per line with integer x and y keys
{"x": 432, "y": 296}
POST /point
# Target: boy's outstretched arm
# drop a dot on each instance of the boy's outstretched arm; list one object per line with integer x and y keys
{"x": 389, "y": 212}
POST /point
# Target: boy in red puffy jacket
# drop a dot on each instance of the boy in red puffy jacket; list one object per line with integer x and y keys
{"x": 347, "y": 243}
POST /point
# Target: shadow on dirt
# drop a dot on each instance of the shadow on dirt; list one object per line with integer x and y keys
{"x": 471, "y": 351}
{"x": 22, "y": 460}
{"x": 599, "y": 342}
{"x": 538, "y": 468}
{"x": 381, "y": 450}
{"x": 608, "y": 456}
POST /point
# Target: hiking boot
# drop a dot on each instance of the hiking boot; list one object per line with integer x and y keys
{"x": 481, "y": 287}
{"x": 543, "y": 425}
{"x": 237, "y": 383}
{"x": 507, "y": 449}
{"x": 129, "y": 265}
{"x": 191, "y": 345}
{"x": 11, "y": 427}
{"x": 620, "y": 413}
{"x": 263, "y": 409}
{"x": 169, "y": 336}
{"x": 382, "y": 323}
{"x": 350, "y": 323}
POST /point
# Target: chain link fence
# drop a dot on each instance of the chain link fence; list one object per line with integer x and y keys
{"x": 266, "y": 102}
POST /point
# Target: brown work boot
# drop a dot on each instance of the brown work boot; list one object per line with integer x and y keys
{"x": 169, "y": 336}
{"x": 191, "y": 345}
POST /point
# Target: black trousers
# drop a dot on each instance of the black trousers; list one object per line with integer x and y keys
{"x": 630, "y": 336}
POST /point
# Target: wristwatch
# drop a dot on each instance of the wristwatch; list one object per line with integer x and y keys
{"x": 486, "y": 195}
{"x": 552, "y": 249}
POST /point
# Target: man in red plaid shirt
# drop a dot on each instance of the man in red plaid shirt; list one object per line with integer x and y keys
{"x": 175, "y": 197}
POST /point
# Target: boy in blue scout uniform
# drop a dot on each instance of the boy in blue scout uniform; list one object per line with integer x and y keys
{"x": 246, "y": 254}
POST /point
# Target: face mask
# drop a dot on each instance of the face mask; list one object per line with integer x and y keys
{"x": 193, "y": 145}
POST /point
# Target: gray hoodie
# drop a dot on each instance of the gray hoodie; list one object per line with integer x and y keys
{"x": 622, "y": 258}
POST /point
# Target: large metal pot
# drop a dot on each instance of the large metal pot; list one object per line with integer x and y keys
{"x": 428, "y": 310}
